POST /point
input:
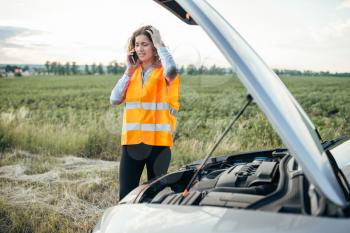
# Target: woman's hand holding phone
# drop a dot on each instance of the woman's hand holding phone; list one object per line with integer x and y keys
{"x": 132, "y": 61}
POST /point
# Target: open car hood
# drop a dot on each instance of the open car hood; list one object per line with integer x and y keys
{"x": 280, "y": 107}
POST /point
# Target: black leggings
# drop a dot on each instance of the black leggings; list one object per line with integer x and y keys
{"x": 133, "y": 160}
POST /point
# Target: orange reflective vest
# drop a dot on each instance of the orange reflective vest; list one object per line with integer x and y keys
{"x": 150, "y": 109}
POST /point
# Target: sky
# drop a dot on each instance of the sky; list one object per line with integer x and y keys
{"x": 287, "y": 34}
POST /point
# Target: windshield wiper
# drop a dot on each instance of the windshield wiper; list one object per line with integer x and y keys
{"x": 249, "y": 99}
{"x": 330, "y": 144}
{"x": 339, "y": 175}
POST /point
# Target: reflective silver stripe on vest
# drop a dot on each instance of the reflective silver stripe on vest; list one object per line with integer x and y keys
{"x": 132, "y": 105}
{"x": 147, "y": 105}
{"x": 156, "y": 106}
{"x": 131, "y": 126}
{"x": 146, "y": 127}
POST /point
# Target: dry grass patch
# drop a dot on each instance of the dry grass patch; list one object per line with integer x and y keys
{"x": 46, "y": 194}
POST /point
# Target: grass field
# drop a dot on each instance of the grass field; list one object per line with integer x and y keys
{"x": 60, "y": 139}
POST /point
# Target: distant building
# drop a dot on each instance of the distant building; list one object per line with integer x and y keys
{"x": 18, "y": 71}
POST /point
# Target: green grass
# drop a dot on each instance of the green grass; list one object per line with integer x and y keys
{"x": 59, "y": 115}
{"x": 71, "y": 115}
{"x": 43, "y": 119}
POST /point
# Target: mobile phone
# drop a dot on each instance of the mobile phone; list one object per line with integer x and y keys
{"x": 133, "y": 58}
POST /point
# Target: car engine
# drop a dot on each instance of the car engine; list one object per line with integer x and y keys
{"x": 268, "y": 180}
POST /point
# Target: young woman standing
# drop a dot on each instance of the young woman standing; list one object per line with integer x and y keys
{"x": 150, "y": 90}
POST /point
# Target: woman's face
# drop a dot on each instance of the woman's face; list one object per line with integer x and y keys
{"x": 144, "y": 48}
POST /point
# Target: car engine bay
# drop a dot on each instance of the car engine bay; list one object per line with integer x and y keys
{"x": 268, "y": 180}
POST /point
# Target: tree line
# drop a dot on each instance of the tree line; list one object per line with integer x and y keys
{"x": 117, "y": 68}
{"x": 68, "y": 68}
{"x": 72, "y": 68}
{"x": 285, "y": 72}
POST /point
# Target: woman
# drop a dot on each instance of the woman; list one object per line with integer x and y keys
{"x": 150, "y": 90}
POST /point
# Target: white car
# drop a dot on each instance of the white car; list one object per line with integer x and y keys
{"x": 302, "y": 188}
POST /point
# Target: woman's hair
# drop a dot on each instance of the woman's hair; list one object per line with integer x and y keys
{"x": 142, "y": 31}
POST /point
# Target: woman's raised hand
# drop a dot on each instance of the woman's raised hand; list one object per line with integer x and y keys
{"x": 157, "y": 40}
